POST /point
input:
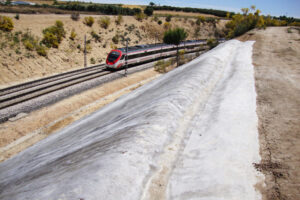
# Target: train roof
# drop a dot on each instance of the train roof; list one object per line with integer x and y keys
{"x": 150, "y": 46}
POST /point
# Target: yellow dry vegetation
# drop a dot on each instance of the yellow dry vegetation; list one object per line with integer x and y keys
{"x": 134, "y": 6}
{"x": 183, "y": 14}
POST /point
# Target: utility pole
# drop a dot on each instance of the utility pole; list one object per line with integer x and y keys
{"x": 126, "y": 57}
{"x": 84, "y": 51}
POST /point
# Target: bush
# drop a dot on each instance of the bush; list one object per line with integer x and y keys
{"x": 210, "y": 20}
{"x": 200, "y": 19}
{"x": 159, "y": 22}
{"x": 96, "y": 36}
{"x": 294, "y": 24}
{"x": 93, "y": 61}
{"x": 168, "y": 18}
{"x": 41, "y": 50}
{"x": 197, "y": 32}
{"x": 53, "y": 35}
{"x": 75, "y": 16}
{"x": 73, "y": 35}
{"x": 29, "y": 41}
{"x": 167, "y": 25}
{"x": 6, "y": 23}
{"x": 119, "y": 19}
{"x": 212, "y": 43}
{"x": 17, "y": 17}
{"x": 104, "y": 22}
{"x": 29, "y": 45}
{"x": 192, "y": 22}
{"x": 161, "y": 66}
{"x": 148, "y": 11}
{"x": 241, "y": 23}
{"x": 89, "y": 21}
{"x": 115, "y": 39}
{"x": 139, "y": 16}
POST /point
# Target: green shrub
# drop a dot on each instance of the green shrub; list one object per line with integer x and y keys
{"x": 139, "y": 16}
{"x": 89, "y": 21}
{"x": 6, "y": 23}
{"x": 53, "y": 35}
{"x": 197, "y": 32}
{"x": 73, "y": 35}
{"x": 115, "y": 39}
{"x": 211, "y": 42}
{"x": 75, "y": 16}
{"x": 93, "y": 61}
{"x": 159, "y": 22}
{"x": 130, "y": 28}
{"x": 29, "y": 41}
{"x": 167, "y": 25}
{"x": 200, "y": 19}
{"x": 168, "y": 18}
{"x": 148, "y": 11}
{"x": 161, "y": 66}
{"x": 119, "y": 19}
{"x": 96, "y": 36}
{"x": 18, "y": 51}
{"x": 104, "y": 22}
{"x": 294, "y": 24}
{"x": 41, "y": 50}
{"x": 29, "y": 45}
{"x": 241, "y": 23}
{"x": 17, "y": 17}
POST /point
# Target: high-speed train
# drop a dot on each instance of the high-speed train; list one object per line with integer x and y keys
{"x": 142, "y": 53}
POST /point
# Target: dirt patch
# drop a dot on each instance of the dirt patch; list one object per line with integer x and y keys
{"x": 15, "y": 136}
{"x": 276, "y": 57}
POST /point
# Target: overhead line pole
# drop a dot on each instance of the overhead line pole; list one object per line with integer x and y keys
{"x": 126, "y": 57}
{"x": 84, "y": 51}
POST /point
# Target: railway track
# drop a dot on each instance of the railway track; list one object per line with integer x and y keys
{"x": 32, "y": 95}
{"x": 23, "y": 92}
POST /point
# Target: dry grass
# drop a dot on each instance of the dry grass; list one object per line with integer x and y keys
{"x": 134, "y": 6}
{"x": 183, "y": 14}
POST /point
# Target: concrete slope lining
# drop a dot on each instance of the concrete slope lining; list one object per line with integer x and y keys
{"x": 116, "y": 152}
{"x": 217, "y": 158}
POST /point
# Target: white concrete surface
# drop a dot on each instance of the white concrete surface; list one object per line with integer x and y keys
{"x": 190, "y": 134}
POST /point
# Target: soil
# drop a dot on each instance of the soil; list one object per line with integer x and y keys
{"x": 276, "y": 58}
{"x": 15, "y": 136}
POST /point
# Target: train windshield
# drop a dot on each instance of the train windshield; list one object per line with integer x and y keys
{"x": 114, "y": 55}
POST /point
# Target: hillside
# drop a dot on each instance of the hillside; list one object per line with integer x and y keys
{"x": 19, "y": 65}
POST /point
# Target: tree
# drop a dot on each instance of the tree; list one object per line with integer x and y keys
{"x": 148, "y": 11}
{"x": 175, "y": 37}
{"x": 152, "y": 4}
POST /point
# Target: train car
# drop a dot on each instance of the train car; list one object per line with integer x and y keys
{"x": 144, "y": 53}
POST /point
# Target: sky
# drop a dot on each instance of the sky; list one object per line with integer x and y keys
{"x": 289, "y": 8}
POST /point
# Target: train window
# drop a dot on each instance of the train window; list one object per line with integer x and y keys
{"x": 122, "y": 57}
{"x": 113, "y": 56}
